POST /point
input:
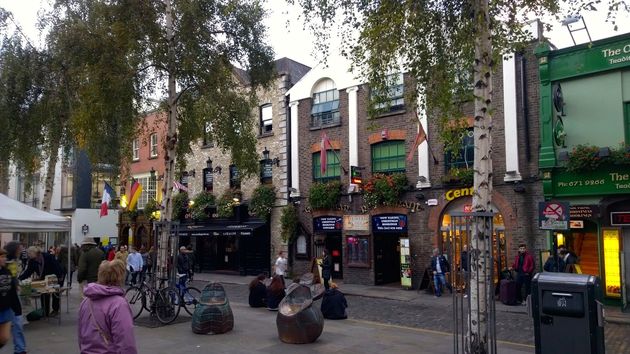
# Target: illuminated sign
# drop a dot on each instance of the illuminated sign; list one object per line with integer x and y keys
{"x": 458, "y": 193}
{"x": 619, "y": 218}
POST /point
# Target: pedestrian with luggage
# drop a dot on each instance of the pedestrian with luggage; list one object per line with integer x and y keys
{"x": 524, "y": 266}
{"x": 440, "y": 267}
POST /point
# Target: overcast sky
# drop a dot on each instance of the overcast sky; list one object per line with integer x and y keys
{"x": 288, "y": 38}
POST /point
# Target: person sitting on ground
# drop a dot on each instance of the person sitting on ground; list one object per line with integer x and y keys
{"x": 334, "y": 303}
{"x": 258, "y": 292}
{"x": 105, "y": 319}
{"x": 275, "y": 293}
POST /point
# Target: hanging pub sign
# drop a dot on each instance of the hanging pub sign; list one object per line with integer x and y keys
{"x": 389, "y": 223}
{"x": 208, "y": 178}
{"x": 327, "y": 223}
{"x": 553, "y": 215}
{"x": 266, "y": 171}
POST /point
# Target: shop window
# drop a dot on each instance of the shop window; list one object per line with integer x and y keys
{"x": 333, "y": 167}
{"x": 358, "y": 251}
{"x": 207, "y": 136}
{"x": 266, "y": 119}
{"x": 465, "y": 157}
{"x": 388, "y": 157}
{"x": 149, "y": 190}
{"x": 235, "y": 177}
{"x": 325, "y": 110}
{"x": 392, "y": 100}
{"x": 67, "y": 189}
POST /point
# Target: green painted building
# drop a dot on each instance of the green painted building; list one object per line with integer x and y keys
{"x": 584, "y": 153}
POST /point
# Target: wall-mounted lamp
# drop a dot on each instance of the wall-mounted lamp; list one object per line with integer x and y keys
{"x": 519, "y": 188}
{"x": 191, "y": 173}
{"x": 152, "y": 172}
{"x": 275, "y": 161}
{"x": 420, "y": 196}
{"x": 209, "y": 164}
{"x": 563, "y": 156}
{"x": 217, "y": 170}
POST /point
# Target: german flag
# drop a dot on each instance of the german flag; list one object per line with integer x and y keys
{"x": 134, "y": 194}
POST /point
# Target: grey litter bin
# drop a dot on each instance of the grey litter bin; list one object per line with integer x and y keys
{"x": 568, "y": 314}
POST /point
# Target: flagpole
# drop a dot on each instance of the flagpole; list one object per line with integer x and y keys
{"x": 321, "y": 130}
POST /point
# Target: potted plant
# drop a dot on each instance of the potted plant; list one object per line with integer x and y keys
{"x": 384, "y": 190}
{"x": 288, "y": 222}
{"x": 459, "y": 175}
{"x": 226, "y": 204}
{"x": 584, "y": 158}
{"x": 180, "y": 205}
{"x": 324, "y": 195}
{"x": 262, "y": 201}
{"x": 202, "y": 202}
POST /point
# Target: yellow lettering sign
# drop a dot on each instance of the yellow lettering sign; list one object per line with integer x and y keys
{"x": 457, "y": 193}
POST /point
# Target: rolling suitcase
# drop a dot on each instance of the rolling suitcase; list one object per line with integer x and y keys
{"x": 507, "y": 293}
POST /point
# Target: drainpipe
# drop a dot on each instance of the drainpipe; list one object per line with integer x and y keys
{"x": 287, "y": 109}
{"x": 525, "y": 108}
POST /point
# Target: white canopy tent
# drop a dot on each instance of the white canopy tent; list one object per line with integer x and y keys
{"x": 19, "y": 217}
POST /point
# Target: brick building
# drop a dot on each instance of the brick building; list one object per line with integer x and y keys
{"x": 365, "y": 244}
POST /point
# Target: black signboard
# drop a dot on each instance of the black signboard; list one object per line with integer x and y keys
{"x": 389, "y": 223}
{"x": 266, "y": 169}
{"x": 184, "y": 180}
{"x": 583, "y": 211}
{"x": 327, "y": 223}
{"x": 208, "y": 178}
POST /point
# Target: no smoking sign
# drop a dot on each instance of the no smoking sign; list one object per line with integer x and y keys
{"x": 553, "y": 215}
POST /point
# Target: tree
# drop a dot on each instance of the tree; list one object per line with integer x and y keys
{"x": 450, "y": 48}
{"x": 118, "y": 54}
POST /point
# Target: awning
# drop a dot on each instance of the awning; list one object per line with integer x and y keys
{"x": 212, "y": 230}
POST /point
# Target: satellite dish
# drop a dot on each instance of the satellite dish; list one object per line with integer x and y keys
{"x": 558, "y": 99}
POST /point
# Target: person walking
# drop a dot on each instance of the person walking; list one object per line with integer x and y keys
{"x": 89, "y": 261}
{"x": 134, "y": 264}
{"x": 105, "y": 324}
{"x": 122, "y": 255}
{"x": 280, "y": 267}
{"x": 193, "y": 261}
{"x": 524, "y": 266}
{"x": 440, "y": 267}
{"x": 9, "y": 301}
{"x": 569, "y": 258}
{"x": 14, "y": 265}
{"x": 111, "y": 253}
{"x": 40, "y": 264}
{"x": 326, "y": 268}
{"x": 554, "y": 264}
{"x": 183, "y": 268}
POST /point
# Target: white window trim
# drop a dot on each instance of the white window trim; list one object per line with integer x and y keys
{"x": 135, "y": 147}
{"x": 153, "y": 151}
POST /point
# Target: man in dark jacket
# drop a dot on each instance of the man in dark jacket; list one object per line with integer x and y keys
{"x": 89, "y": 261}
{"x": 334, "y": 304}
{"x": 570, "y": 259}
{"x": 440, "y": 266}
{"x": 42, "y": 264}
{"x": 183, "y": 267}
{"x": 524, "y": 266}
{"x": 326, "y": 268}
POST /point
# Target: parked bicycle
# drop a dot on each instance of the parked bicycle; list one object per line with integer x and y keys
{"x": 163, "y": 301}
{"x": 188, "y": 296}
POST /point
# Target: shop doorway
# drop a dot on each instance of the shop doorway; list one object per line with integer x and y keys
{"x": 584, "y": 243}
{"x": 626, "y": 268}
{"x": 386, "y": 258}
{"x": 333, "y": 245}
{"x": 218, "y": 253}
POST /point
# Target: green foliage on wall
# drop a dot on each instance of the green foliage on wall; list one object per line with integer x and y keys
{"x": 324, "y": 195}
{"x": 263, "y": 200}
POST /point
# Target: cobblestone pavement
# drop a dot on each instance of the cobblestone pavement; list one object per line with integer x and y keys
{"x": 428, "y": 312}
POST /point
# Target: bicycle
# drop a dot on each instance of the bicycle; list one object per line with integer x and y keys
{"x": 161, "y": 301}
{"x": 188, "y": 295}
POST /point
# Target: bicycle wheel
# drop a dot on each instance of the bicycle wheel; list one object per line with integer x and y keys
{"x": 136, "y": 299}
{"x": 167, "y": 305}
{"x": 191, "y": 297}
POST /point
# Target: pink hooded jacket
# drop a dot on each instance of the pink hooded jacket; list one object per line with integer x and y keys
{"x": 112, "y": 314}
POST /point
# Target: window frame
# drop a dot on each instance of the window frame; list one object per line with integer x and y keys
{"x": 395, "y": 95}
{"x": 466, "y": 154}
{"x": 266, "y": 108}
{"x": 401, "y": 157}
{"x": 149, "y": 190}
{"x": 153, "y": 145}
{"x": 235, "y": 178}
{"x": 135, "y": 150}
{"x": 207, "y": 142}
{"x": 324, "y": 109}
{"x": 367, "y": 263}
{"x": 333, "y": 163}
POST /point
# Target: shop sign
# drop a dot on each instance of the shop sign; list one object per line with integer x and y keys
{"x": 356, "y": 223}
{"x": 589, "y": 60}
{"x": 576, "y": 224}
{"x": 458, "y": 193}
{"x": 389, "y": 223}
{"x": 553, "y": 215}
{"x": 405, "y": 263}
{"x": 327, "y": 223}
{"x": 620, "y": 218}
{"x": 584, "y": 211}
{"x": 602, "y": 181}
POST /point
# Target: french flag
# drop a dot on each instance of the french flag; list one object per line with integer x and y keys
{"x": 108, "y": 192}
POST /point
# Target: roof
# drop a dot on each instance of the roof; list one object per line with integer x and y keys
{"x": 294, "y": 69}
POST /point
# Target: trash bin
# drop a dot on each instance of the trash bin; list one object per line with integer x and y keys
{"x": 568, "y": 314}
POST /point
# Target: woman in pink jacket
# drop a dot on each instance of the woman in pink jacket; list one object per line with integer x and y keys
{"x": 105, "y": 321}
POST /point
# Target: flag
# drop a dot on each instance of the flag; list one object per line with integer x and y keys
{"x": 323, "y": 151}
{"x": 134, "y": 194}
{"x": 108, "y": 192}
{"x": 420, "y": 138}
{"x": 181, "y": 187}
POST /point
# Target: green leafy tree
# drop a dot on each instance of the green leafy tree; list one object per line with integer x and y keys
{"x": 118, "y": 54}
{"x": 451, "y": 49}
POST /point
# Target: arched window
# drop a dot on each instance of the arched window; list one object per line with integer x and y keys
{"x": 325, "y": 108}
